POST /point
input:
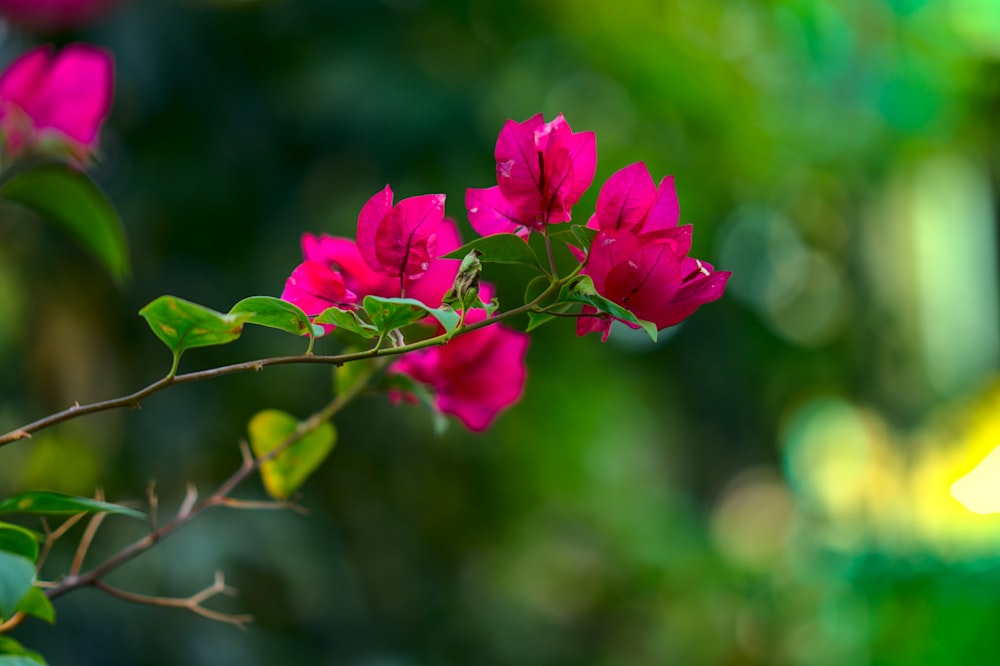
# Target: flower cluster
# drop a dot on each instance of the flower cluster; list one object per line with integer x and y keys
{"x": 398, "y": 253}
{"x": 638, "y": 260}
{"x": 50, "y": 99}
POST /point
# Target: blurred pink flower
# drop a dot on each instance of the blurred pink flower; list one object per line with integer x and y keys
{"x": 639, "y": 258}
{"x": 62, "y": 96}
{"x": 542, "y": 170}
{"x": 474, "y": 376}
{"x": 54, "y": 14}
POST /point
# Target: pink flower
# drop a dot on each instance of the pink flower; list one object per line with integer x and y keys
{"x": 63, "y": 96}
{"x": 400, "y": 241}
{"x": 542, "y": 170}
{"x": 639, "y": 258}
{"x": 314, "y": 287}
{"x": 344, "y": 256}
{"x": 474, "y": 376}
{"x": 54, "y": 14}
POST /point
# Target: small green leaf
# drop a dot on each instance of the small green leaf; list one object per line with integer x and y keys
{"x": 391, "y": 313}
{"x": 498, "y": 249}
{"x": 584, "y": 236}
{"x": 536, "y": 287}
{"x": 49, "y": 503}
{"x": 410, "y": 386}
{"x": 69, "y": 200}
{"x": 286, "y": 473}
{"x": 35, "y": 603}
{"x": 276, "y": 313}
{"x": 17, "y": 576}
{"x": 581, "y": 290}
{"x": 347, "y": 320}
{"x": 18, "y": 540}
{"x": 536, "y": 319}
{"x": 182, "y": 325}
{"x": 13, "y": 653}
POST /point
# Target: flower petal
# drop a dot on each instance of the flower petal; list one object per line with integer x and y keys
{"x": 490, "y": 213}
{"x": 314, "y": 287}
{"x": 626, "y": 198}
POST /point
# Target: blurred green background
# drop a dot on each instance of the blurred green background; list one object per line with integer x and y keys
{"x": 767, "y": 485}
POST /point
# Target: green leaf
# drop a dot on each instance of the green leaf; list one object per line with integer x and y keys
{"x": 18, "y": 540}
{"x": 17, "y": 576}
{"x": 50, "y": 503}
{"x": 581, "y": 290}
{"x": 536, "y": 287}
{"x": 347, "y": 320}
{"x": 536, "y": 319}
{"x": 498, "y": 249}
{"x": 182, "y": 325}
{"x": 423, "y": 395}
{"x": 285, "y": 473}
{"x": 13, "y": 653}
{"x": 36, "y": 604}
{"x": 391, "y": 313}
{"x": 584, "y": 236}
{"x": 70, "y": 201}
{"x": 276, "y": 313}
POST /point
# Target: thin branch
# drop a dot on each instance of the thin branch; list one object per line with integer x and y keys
{"x": 192, "y": 603}
{"x": 88, "y": 537}
{"x": 51, "y": 536}
{"x": 132, "y": 400}
{"x": 191, "y": 508}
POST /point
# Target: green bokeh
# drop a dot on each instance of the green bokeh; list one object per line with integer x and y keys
{"x": 642, "y": 504}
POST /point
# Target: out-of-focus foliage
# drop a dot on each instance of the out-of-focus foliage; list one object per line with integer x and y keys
{"x": 767, "y": 485}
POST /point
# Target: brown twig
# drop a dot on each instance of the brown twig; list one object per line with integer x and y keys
{"x": 133, "y": 400}
{"x": 192, "y": 603}
{"x": 191, "y": 508}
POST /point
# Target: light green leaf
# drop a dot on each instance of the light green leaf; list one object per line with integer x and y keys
{"x": 182, "y": 325}
{"x": 49, "y": 503}
{"x": 391, "y": 313}
{"x": 498, "y": 249}
{"x": 276, "y": 313}
{"x": 70, "y": 201}
{"x": 17, "y": 576}
{"x": 18, "y": 540}
{"x": 347, "y": 320}
{"x": 286, "y": 473}
{"x": 581, "y": 290}
{"x": 36, "y": 604}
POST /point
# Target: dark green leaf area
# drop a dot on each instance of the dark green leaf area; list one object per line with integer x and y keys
{"x": 49, "y": 503}
{"x": 71, "y": 202}
{"x": 13, "y": 653}
{"x": 36, "y": 604}
{"x": 17, "y": 576}
{"x": 498, "y": 249}
{"x": 18, "y": 540}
